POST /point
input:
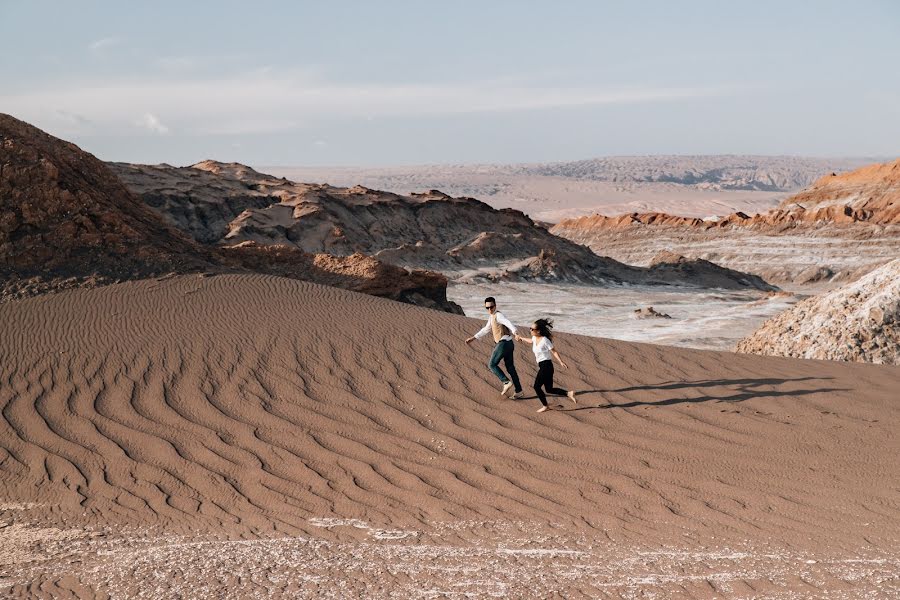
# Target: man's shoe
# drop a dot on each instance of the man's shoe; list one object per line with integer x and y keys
{"x": 506, "y": 387}
{"x": 517, "y": 395}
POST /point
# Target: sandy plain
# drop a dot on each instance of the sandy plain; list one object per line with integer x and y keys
{"x": 252, "y": 436}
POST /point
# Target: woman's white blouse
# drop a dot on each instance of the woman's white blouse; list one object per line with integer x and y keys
{"x": 541, "y": 348}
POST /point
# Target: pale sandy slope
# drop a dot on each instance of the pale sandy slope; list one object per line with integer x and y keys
{"x": 252, "y": 436}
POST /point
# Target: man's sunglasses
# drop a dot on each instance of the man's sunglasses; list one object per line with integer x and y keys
{"x": 490, "y": 306}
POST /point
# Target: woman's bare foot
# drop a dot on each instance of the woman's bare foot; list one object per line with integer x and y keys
{"x": 543, "y": 408}
{"x": 571, "y": 396}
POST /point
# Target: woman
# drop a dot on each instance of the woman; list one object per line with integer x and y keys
{"x": 542, "y": 345}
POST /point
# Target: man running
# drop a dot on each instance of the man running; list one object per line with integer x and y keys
{"x": 503, "y": 331}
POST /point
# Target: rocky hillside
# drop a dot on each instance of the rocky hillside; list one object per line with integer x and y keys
{"x": 63, "y": 213}
{"x": 464, "y": 238}
{"x": 858, "y": 322}
{"x": 202, "y": 199}
{"x": 870, "y": 194}
{"x": 66, "y": 220}
{"x": 838, "y": 229}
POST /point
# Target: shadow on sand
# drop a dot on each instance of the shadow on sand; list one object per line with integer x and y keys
{"x": 746, "y": 389}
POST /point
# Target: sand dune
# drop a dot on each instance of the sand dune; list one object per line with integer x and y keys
{"x": 249, "y": 435}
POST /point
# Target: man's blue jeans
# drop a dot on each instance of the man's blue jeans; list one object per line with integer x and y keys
{"x": 504, "y": 350}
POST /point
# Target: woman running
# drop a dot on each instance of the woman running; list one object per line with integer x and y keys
{"x": 542, "y": 345}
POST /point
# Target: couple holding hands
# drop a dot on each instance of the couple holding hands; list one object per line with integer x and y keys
{"x": 504, "y": 333}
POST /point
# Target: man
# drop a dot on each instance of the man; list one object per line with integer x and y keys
{"x": 503, "y": 331}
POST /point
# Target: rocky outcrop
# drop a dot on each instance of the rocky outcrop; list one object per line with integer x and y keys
{"x": 870, "y": 194}
{"x": 67, "y": 221}
{"x": 675, "y": 267}
{"x": 197, "y": 200}
{"x": 648, "y": 312}
{"x": 460, "y": 237}
{"x": 64, "y": 214}
{"x": 857, "y": 322}
{"x": 595, "y": 222}
{"x": 357, "y": 272}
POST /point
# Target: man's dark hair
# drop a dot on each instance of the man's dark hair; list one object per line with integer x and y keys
{"x": 490, "y": 299}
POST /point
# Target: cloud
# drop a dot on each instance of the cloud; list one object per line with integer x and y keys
{"x": 152, "y": 123}
{"x": 264, "y": 101}
{"x": 103, "y": 43}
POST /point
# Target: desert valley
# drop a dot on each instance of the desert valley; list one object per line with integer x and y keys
{"x": 223, "y": 383}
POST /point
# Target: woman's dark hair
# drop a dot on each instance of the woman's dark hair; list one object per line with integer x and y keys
{"x": 545, "y": 328}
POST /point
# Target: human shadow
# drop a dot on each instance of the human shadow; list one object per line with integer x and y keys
{"x": 675, "y": 385}
{"x": 747, "y": 389}
{"x": 739, "y": 397}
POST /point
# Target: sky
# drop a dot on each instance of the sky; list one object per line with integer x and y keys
{"x": 403, "y": 83}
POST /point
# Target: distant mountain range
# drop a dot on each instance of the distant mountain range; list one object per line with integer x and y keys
{"x": 693, "y": 186}
{"x": 711, "y": 172}
{"x": 718, "y": 172}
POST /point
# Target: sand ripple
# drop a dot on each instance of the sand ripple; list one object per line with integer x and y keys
{"x": 314, "y": 441}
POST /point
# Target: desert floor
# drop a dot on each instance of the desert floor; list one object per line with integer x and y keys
{"x": 252, "y": 436}
{"x": 703, "y": 318}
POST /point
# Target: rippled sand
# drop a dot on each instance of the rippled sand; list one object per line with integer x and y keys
{"x": 249, "y": 436}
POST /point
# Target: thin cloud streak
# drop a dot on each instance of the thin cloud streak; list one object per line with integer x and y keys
{"x": 234, "y": 105}
{"x": 103, "y": 43}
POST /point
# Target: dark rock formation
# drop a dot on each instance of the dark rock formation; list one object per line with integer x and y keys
{"x": 675, "y": 267}
{"x": 197, "y": 200}
{"x": 648, "y": 312}
{"x": 66, "y": 221}
{"x": 64, "y": 214}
